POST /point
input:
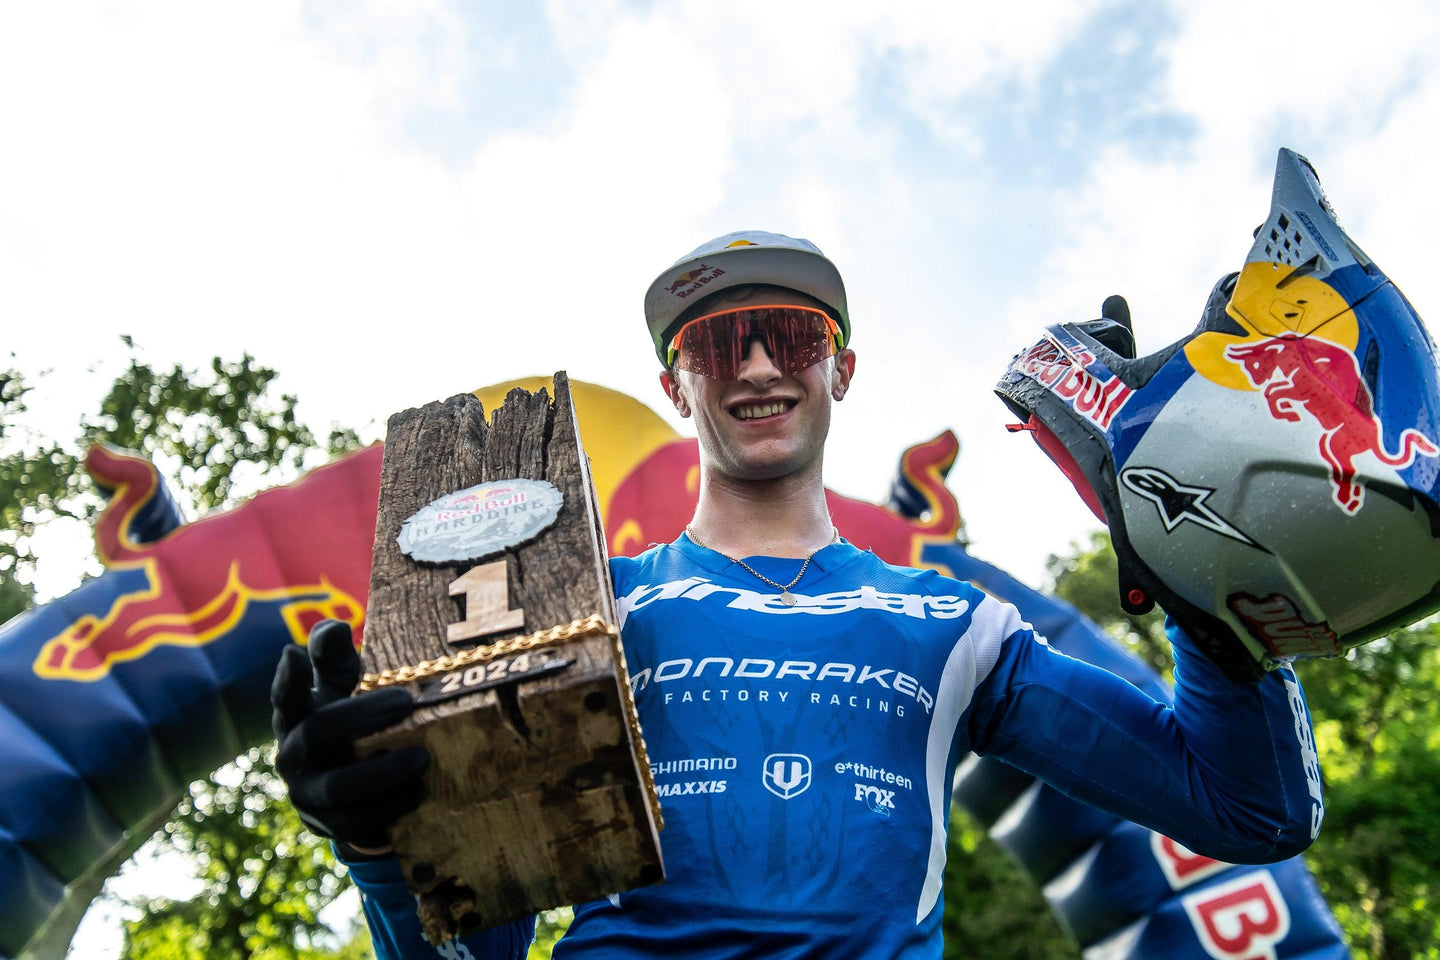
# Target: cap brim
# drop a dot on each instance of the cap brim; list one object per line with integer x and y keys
{"x": 688, "y": 282}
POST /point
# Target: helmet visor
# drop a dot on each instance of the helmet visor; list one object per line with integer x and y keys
{"x": 716, "y": 344}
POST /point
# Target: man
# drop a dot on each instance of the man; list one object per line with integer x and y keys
{"x": 804, "y": 704}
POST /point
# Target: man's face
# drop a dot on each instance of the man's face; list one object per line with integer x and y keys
{"x": 764, "y": 424}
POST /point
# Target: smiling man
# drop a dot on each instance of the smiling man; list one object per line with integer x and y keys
{"x": 805, "y": 705}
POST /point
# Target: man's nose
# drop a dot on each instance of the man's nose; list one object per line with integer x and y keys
{"x": 758, "y": 367}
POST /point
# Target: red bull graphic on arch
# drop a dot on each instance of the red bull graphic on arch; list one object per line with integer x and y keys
{"x": 157, "y": 671}
{"x": 190, "y": 593}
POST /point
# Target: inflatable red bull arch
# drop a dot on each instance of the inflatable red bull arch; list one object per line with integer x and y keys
{"x": 117, "y": 695}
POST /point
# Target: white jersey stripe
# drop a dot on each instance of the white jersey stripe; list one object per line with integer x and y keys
{"x": 970, "y": 661}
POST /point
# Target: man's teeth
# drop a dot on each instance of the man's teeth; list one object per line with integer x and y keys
{"x": 755, "y": 411}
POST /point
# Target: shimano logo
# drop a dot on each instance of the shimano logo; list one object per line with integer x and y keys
{"x": 917, "y": 605}
{"x": 690, "y": 765}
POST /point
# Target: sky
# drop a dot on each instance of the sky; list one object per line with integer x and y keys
{"x": 391, "y": 202}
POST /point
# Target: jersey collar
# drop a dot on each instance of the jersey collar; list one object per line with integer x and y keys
{"x": 826, "y": 560}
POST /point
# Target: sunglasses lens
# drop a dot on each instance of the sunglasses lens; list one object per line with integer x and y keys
{"x": 716, "y": 345}
{"x": 710, "y": 347}
{"x": 799, "y": 341}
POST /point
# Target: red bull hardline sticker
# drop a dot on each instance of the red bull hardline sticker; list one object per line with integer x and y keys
{"x": 480, "y": 521}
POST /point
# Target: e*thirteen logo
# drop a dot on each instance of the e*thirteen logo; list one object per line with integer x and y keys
{"x": 1179, "y": 502}
{"x": 787, "y": 774}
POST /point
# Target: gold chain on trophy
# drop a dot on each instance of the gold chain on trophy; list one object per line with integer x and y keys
{"x": 590, "y": 626}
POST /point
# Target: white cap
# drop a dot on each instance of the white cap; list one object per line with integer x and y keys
{"x": 737, "y": 259}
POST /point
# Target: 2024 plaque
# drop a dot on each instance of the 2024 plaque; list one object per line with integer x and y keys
{"x": 490, "y": 597}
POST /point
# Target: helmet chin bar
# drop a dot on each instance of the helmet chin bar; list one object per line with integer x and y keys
{"x": 1085, "y": 460}
{"x": 1272, "y": 479}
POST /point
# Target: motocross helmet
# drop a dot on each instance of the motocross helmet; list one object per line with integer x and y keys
{"x": 1272, "y": 478}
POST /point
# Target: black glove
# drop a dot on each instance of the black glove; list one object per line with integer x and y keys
{"x": 317, "y": 723}
{"x": 1113, "y": 329}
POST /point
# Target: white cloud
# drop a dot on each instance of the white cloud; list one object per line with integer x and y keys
{"x": 212, "y": 180}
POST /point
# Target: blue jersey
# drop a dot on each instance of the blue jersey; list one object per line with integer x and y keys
{"x": 804, "y": 755}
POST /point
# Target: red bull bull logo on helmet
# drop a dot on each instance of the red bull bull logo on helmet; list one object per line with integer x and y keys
{"x": 1313, "y": 378}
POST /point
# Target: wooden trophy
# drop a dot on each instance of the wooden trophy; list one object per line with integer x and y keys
{"x": 490, "y": 598}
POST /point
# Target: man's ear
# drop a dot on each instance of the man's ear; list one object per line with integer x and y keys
{"x": 670, "y": 383}
{"x": 844, "y": 370}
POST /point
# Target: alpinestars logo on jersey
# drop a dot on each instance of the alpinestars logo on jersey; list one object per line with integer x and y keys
{"x": 918, "y": 605}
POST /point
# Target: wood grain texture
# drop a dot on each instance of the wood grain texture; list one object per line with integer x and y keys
{"x": 535, "y": 795}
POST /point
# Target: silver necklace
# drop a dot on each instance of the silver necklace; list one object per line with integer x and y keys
{"x": 786, "y": 597}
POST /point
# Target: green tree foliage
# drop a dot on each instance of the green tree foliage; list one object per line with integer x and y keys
{"x": 550, "y": 926}
{"x": 33, "y": 487}
{"x": 1377, "y": 729}
{"x": 263, "y": 879}
{"x": 993, "y": 908}
{"x": 223, "y": 432}
{"x": 1086, "y": 577}
{"x": 214, "y": 425}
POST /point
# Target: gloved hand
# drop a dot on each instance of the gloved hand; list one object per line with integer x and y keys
{"x": 317, "y": 723}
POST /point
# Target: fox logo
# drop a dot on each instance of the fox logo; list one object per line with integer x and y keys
{"x": 1309, "y": 376}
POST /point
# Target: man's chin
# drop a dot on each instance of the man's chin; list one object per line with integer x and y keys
{"x": 766, "y": 466}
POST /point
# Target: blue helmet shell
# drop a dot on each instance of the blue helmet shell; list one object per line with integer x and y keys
{"x": 1273, "y": 478}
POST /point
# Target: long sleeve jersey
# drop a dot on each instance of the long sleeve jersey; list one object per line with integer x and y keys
{"x": 804, "y": 756}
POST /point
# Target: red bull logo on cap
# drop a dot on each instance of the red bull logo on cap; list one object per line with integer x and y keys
{"x": 687, "y": 283}
{"x": 1313, "y": 378}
